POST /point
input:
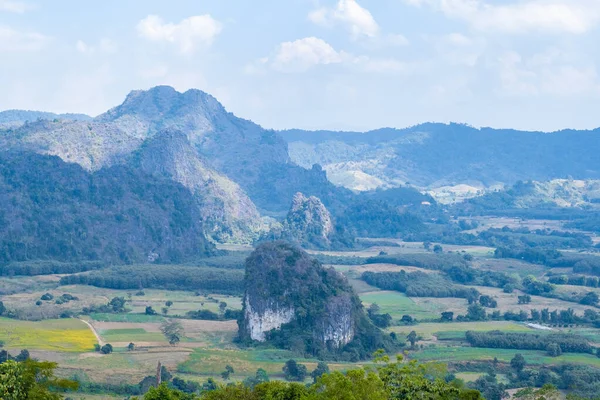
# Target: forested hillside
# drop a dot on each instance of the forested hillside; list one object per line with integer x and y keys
{"x": 53, "y": 210}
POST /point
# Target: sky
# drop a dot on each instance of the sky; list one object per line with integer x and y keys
{"x": 314, "y": 64}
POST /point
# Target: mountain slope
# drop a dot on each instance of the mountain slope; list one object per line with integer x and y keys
{"x": 228, "y": 214}
{"x": 433, "y": 155}
{"x": 54, "y": 210}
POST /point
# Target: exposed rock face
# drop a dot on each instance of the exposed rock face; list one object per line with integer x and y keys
{"x": 337, "y": 325}
{"x": 272, "y": 316}
{"x": 228, "y": 214}
{"x": 308, "y": 222}
{"x": 291, "y": 296}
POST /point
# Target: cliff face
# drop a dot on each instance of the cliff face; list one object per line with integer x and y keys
{"x": 290, "y": 297}
{"x": 228, "y": 214}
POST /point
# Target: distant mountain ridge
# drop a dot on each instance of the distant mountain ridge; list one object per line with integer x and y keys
{"x": 234, "y": 168}
{"x": 16, "y": 118}
{"x": 432, "y": 155}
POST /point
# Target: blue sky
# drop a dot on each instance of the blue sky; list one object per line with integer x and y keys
{"x": 314, "y": 64}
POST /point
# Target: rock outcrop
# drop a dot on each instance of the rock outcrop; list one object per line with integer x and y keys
{"x": 309, "y": 222}
{"x": 294, "y": 302}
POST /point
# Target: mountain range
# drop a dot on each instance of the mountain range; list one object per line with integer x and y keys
{"x": 434, "y": 155}
{"x": 241, "y": 175}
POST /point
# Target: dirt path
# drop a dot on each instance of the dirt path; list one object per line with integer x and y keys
{"x": 100, "y": 341}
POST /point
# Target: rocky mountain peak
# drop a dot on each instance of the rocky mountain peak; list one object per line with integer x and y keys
{"x": 309, "y": 220}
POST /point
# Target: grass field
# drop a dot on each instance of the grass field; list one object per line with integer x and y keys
{"x": 428, "y": 330}
{"x": 210, "y": 362}
{"x": 398, "y": 304}
{"x": 458, "y": 354}
{"x": 68, "y": 335}
{"x": 130, "y": 335}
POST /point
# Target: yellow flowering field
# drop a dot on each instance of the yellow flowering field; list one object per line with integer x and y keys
{"x": 69, "y": 335}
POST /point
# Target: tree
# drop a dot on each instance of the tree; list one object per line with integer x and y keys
{"x": 373, "y": 309}
{"x": 438, "y": 249}
{"x": 476, "y": 313}
{"x": 427, "y": 245}
{"x": 356, "y": 384}
{"x": 518, "y": 362}
{"x": 227, "y": 373}
{"x": 412, "y": 338}
{"x": 131, "y": 346}
{"x": 117, "y": 304}
{"x": 488, "y": 301}
{"x": 222, "y": 307}
{"x": 163, "y": 392}
{"x": 590, "y": 299}
{"x": 165, "y": 310}
{"x": 525, "y": 299}
{"x": 23, "y": 356}
{"x": 106, "y": 349}
{"x": 508, "y": 288}
{"x": 554, "y": 350}
{"x": 322, "y": 368}
{"x": 168, "y": 303}
{"x": 294, "y": 371}
{"x": 546, "y": 392}
{"x": 173, "y": 331}
{"x": 407, "y": 319}
{"x": 31, "y": 380}
{"x": 150, "y": 310}
{"x": 447, "y": 316}
{"x": 2, "y": 308}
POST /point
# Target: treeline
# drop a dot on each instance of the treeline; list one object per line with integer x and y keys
{"x": 531, "y": 255}
{"x": 528, "y": 341}
{"x": 31, "y": 268}
{"x": 575, "y": 280}
{"x": 433, "y": 261}
{"x": 455, "y": 267}
{"x": 170, "y": 277}
{"x": 371, "y": 218}
{"x": 418, "y": 284}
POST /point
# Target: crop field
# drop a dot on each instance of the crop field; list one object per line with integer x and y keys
{"x": 69, "y": 335}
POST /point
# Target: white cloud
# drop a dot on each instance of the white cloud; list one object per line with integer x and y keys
{"x": 358, "y": 20}
{"x": 15, "y": 41}
{"x": 18, "y": 7}
{"x": 187, "y": 34}
{"x": 546, "y": 16}
{"x": 393, "y": 39}
{"x": 548, "y": 73}
{"x": 305, "y": 53}
{"x": 104, "y": 46}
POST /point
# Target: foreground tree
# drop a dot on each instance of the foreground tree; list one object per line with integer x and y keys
{"x": 31, "y": 380}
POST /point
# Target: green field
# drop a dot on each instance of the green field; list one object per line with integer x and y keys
{"x": 459, "y": 354}
{"x": 398, "y": 304}
{"x": 68, "y": 335}
{"x": 129, "y": 317}
{"x": 129, "y": 335}
{"x": 458, "y": 329}
{"x": 208, "y": 362}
